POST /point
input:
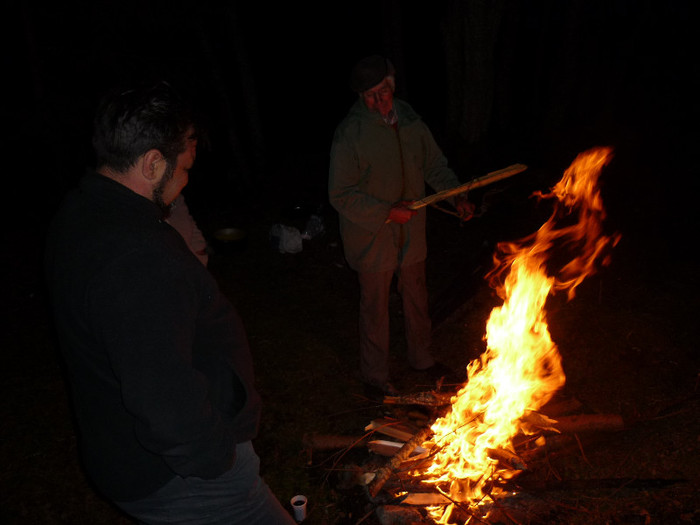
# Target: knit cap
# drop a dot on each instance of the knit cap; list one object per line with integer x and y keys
{"x": 369, "y": 72}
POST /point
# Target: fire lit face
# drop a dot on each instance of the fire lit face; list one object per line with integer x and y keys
{"x": 176, "y": 177}
{"x": 380, "y": 98}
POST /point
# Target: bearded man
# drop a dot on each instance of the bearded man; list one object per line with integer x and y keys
{"x": 157, "y": 359}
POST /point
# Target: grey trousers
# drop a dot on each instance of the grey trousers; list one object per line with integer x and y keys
{"x": 374, "y": 321}
{"x": 239, "y": 496}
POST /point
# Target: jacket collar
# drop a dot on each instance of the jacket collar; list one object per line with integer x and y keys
{"x": 112, "y": 193}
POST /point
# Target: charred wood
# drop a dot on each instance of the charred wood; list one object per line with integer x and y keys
{"x": 390, "y": 448}
{"x": 393, "y": 428}
{"x": 507, "y": 458}
{"x": 386, "y": 471}
{"x": 430, "y": 399}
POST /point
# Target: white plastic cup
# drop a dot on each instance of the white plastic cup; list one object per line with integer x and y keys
{"x": 299, "y": 507}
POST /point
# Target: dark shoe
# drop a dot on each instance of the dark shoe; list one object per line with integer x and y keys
{"x": 377, "y": 393}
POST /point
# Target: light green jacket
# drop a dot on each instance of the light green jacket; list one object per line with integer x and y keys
{"x": 373, "y": 166}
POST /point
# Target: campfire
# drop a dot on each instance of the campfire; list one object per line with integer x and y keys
{"x": 459, "y": 465}
{"x": 521, "y": 368}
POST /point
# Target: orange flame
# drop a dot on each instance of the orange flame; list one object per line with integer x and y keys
{"x": 521, "y": 368}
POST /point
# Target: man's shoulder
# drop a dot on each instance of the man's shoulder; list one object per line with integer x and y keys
{"x": 407, "y": 115}
{"x": 353, "y": 124}
{"x": 355, "y": 112}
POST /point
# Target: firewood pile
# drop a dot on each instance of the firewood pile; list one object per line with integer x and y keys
{"x": 398, "y": 446}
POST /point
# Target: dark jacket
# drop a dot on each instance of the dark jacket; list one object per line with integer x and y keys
{"x": 373, "y": 166}
{"x": 157, "y": 358}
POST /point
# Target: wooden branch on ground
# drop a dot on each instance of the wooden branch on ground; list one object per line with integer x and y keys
{"x": 413, "y": 438}
{"x": 574, "y": 423}
{"x": 330, "y": 441}
{"x": 392, "y": 428}
{"x": 383, "y": 473}
{"x": 390, "y": 448}
{"x": 555, "y": 485}
{"x": 589, "y": 423}
{"x": 565, "y": 424}
{"x": 561, "y": 407}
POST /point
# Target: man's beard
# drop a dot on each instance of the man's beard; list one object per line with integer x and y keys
{"x": 158, "y": 190}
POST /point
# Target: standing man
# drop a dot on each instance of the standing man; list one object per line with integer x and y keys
{"x": 158, "y": 362}
{"x": 382, "y": 156}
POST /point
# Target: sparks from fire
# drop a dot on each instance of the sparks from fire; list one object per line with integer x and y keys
{"x": 521, "y": 368}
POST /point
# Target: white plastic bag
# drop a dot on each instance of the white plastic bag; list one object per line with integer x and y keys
{"x": 286, "y": 239}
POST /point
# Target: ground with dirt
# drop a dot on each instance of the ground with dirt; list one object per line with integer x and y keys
{"x": 628, "y": 341}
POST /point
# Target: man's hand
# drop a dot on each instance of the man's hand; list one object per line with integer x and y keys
{"x": 401, "y": 213}
{"x": 464, "y": 207}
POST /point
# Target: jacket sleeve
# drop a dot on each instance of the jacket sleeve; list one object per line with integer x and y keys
{"x": 146, "y": 321}
{"x": 345, "y": 186}
{"x": 438, "y": 174}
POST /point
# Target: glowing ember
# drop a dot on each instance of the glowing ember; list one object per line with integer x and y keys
{"x": 521, "y": 368}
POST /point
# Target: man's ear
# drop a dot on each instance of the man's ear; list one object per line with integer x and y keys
{"x": 153, "y": 166}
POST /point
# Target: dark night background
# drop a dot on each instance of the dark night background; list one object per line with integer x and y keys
{"x": 498, "y": 82}
{"x": 534, "y": 82}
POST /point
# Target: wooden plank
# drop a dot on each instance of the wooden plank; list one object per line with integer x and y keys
{"x": 489, "y": 178}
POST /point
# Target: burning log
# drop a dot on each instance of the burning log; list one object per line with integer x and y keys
{"x": 392, "y": 428}
{"x": 589, "y": 423}
{"x": 543, "y": 420}
{"x": 383, "y": 474}
{"x": 425, "y": 498}
{"x": 574, "y": 424}
{"x": 430, "y": 399}
{"x": 508, "y": 458}
{"x": 411, "y": 439}
{"x": 390, "y": 448}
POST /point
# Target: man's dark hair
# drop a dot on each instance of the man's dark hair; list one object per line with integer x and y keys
{"x": 128, "y": 123}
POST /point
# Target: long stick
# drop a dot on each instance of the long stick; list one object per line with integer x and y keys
{"x": 383, "y": 474}
{"x": 489, "y": 178}
{"x": 589, "y": 423}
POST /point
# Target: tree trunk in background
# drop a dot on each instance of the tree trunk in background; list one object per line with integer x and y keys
{"x": 236, "y": 99}
{"x": 392, "y": 41}
{"x": 238, "y": 170}
{"x": 471, "y": 31}
{"x": 248, "y": 93}
{"x": 536, "y": 75}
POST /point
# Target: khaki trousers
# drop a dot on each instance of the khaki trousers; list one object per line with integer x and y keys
{"x": 374, "y": 321}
